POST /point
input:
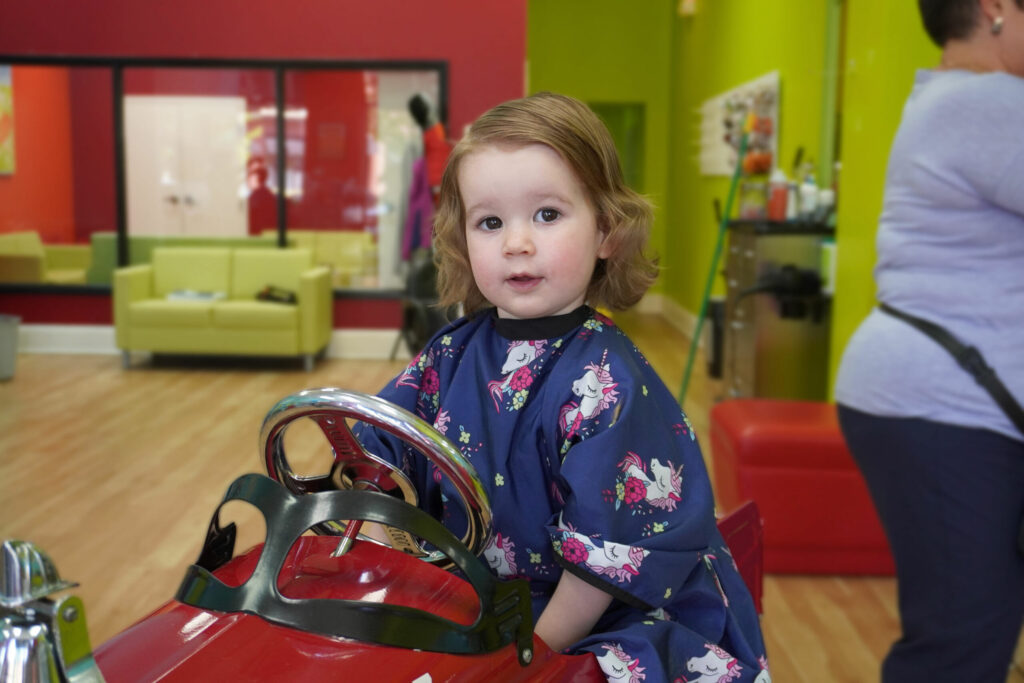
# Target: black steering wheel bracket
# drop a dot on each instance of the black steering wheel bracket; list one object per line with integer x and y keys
{"x": 505, "y": 611}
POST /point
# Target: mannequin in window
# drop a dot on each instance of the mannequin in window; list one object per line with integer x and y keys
{"x": 436, "y": 147}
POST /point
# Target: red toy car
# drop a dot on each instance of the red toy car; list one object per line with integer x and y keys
{"x": 308, "y": 607}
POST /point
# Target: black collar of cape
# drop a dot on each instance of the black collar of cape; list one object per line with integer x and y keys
{"x": 528, "y": 329}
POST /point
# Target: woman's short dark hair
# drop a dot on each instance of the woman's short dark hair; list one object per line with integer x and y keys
{"x": 946, "y": 20}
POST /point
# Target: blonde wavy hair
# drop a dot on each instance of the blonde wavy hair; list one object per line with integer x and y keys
{"x": 571, "y": 129}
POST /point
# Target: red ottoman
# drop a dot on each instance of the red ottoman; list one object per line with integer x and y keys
{"x": 790, "y": 458}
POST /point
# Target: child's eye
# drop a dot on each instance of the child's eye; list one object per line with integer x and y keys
{"x": 490, "y": 223}
{"x": 547, "y": 215}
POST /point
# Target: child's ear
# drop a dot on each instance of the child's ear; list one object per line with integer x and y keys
{"x": 607, "y": 245}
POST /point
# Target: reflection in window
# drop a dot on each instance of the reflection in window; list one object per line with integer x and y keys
{"x": 262, "y": 136}
{"x": 201, "y": 164}
{"x": 189, "y": 169}
{"x": 61, "y": 190}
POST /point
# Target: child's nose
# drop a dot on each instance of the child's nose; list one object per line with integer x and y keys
{"x": 518, "y": 240}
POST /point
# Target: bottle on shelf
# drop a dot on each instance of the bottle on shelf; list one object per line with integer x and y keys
{"x": 778, "y": 195}
{"x": 808, "y": 197}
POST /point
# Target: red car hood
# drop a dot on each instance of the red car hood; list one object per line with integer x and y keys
{"x": 179, "y": 642}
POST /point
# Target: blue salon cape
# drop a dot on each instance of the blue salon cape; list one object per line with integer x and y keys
{"x": 591, "y": 467}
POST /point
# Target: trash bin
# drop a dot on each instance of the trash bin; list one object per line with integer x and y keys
{"x": 8, "y": 345}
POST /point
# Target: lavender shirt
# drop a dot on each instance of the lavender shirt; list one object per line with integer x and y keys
{"x": 950, "y": 250}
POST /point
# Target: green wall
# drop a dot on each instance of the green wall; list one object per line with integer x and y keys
{"x": 609, "y": 51}
{"x": 885, "y": 45}
{"x": 726, "y": 44}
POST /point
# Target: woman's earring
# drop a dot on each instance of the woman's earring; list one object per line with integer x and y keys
{"x": 997, "y": 26}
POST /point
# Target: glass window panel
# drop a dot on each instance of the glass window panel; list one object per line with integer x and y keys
{"x": 195, "y": 155}
{"x": 57, "y": 186}
{"x": 350, "y": 145}
{"x": 399, "y": 143}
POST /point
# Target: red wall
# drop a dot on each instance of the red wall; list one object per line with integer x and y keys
{"x": 484, "y": 41}
{"x": 39, "y": 194}
{"x": 92, "y": 144}
{"x": 92, "y": 308}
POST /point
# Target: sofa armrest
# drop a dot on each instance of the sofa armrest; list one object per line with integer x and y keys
{"x": 21, "y": 268}
{"x": 316, "y": 309}
{"x": 132, "y": 283}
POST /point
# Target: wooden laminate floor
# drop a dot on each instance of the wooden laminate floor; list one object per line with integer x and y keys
{"x": 115, "y": 474}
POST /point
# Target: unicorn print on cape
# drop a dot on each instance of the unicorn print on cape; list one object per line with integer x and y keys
{"x": 518, "y": 376}
{"x": 617, "y": 665}
{"x": 596, "y": 390}
{"x": 716, "y": 666}
{"x": 614, "y": 560}
{"x": 660, "y": 488}
{"x": 501, "y": 556}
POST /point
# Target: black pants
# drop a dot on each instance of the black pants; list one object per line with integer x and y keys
{"x": 951, "y": 500}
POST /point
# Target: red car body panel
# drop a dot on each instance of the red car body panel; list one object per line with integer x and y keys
{"x": 179, "y": 642}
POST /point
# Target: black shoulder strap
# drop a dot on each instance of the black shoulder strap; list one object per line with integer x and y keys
{"x": 970, "y": 359}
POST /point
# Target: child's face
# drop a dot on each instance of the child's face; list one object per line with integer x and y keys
{"x": 531, "y": 232}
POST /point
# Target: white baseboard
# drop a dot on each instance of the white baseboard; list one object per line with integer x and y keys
{"x": 677, "y": 316}
{"x": 71, "y": 339}
{"x": 369, "y": 344}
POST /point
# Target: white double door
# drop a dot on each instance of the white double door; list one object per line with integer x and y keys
{"x": 185, "y": 163}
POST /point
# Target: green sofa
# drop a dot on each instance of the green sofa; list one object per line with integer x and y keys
{"x": 203, "y": 300}
{"x": 24, "y": 258}
{"x": 140, "y": 249}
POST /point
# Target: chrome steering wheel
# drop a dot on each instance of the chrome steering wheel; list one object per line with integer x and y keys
{"x": 354, "y": 468}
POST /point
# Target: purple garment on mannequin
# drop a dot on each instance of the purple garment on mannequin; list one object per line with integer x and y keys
{"x": 419, "y": 219}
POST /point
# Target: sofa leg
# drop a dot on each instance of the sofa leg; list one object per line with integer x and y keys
{"x": 126, "y": 359}
{"x": 307, "y": 362}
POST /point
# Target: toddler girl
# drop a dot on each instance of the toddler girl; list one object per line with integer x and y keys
{"x": 599, "y": 493}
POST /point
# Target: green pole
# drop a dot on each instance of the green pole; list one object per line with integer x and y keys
{"x": 722, "y": 226}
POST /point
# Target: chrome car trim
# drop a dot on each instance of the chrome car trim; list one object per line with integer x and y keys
{"x": 27, "y": 574}
{"x": 42, "y": 639}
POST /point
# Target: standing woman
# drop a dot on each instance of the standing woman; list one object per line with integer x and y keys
{"x": 943, "y": 460}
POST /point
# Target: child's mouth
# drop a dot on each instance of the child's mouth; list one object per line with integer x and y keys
{"x": 523, "y": 281}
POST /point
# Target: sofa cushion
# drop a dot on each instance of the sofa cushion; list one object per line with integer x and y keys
{"x": 254, "y": 269}
{"x": 200, "y": 269}
{"x": 164, "y": 313}
{"x": 254, "y": 315}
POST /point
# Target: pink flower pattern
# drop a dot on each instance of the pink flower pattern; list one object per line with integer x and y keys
{"x": 522, "y": 379}
{"x": 635, "y": 491}
{"x": 573, "y": 550}
{"x": 431, "y": 383}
